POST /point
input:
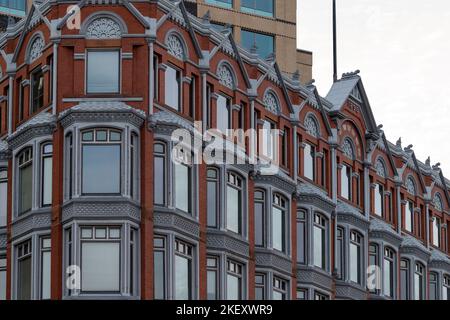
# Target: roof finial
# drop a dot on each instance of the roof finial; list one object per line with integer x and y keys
{"x": 296, "y": 75}
{"x": 409, "y": 148}
{"x": 399, "y": 143}
{"x": 207, "y": 17}
{"x": 310, "y": 82}
{"x": 428, "y": 162}
{"x": 437, "y": 166}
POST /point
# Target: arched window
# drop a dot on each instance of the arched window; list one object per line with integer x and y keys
{"x": 312, "y": 126}
{"x": 411, "y": 185}
{"x": 348, "y": 149}
{"x": 25, "y": 182}
{"x": 103, "y": 28}
{"x": 226, "y": 76}
{"x": 175, "y": 46}
{"x": 35, "y": 49}
{"x": 271, "y": 102}
{"x": 437, "y": 202}
{"x": 380, "y": 168}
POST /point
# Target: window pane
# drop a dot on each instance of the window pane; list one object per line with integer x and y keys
{"x": 404, "y": 281}
{"x": 319, "y": 247}
{"x": 47, "y": 181}
{"x": 46, "y": 275}
{"x": 24, "y": 279}
{"x": 172, "y": 83}
{"x": 233, "y": 209}
{"x": 212, "y": 204}
{"x": 182, "y": 187}
{"x": 182, "y": 278}
{"x": 233, "y": 287}
{"x": 222, "y": 114}
{"x": 408, "y": 217}
{"x": 100, "y": 267}
{"x": 259, "y": 224}
{"x": 25, "y": 185}
{"x": 354, "y": 263}
{"x": 103, "y": 72}
{"x": 278, "y": 229}
{"x": 436, "y": 232}
{"x": 260, "y": 7}
{"x": 3, "y": 202}
{"x": 160, "y": 275}
{"x": 212, "y": 285}
{"x": 301, "y": 242}
{"x": 379, "y": 200}
{"x": 388, "y": 279}
{"x": 3, "y": 285}
{"x": 264, "y": 43}
{"x": 309, "y": 162}
{"x": 101, "y": 169}
{"x": 222, "y": 3}
{"x": 160, "y": 184}
{"x": 345, "y": 182}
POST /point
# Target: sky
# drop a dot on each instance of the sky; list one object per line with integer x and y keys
{"x": 402, "y": 48}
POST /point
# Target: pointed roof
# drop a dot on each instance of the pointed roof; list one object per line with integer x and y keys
{"x": 284, "y": 88}
{"x": 341, "y": 91}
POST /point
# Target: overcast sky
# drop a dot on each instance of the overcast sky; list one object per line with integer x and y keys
{"x": 402, "y": 48}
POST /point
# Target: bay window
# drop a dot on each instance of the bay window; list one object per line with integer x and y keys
{"x": 101, "y": 161}
{"x": 260, "y": 286}
{"x": 446, "y": 288}
{"x": 173, "y": 88}
{"x": 320, "y": 241}
{"x": 212, "y": 278}
{"x": 279, "y": 223}
{"x": 2, "y": 278}
{"x": 25, "y": 180}
{"x": 100, "y": 259}
{"x": 388, "y": 273}
{"x": 404, "y": 279}
{"x": 103, "y": 71}
{"x": 234, "y": 280}
{"x": 3, "y": 196}
{"x": 213, "y": 198}
{"x": 301, "y": 237}
{"x": 379, "y": 200}
{"x": 234, "y": 203}
{"x": 183, "y": 181}
{"x": 419, "y": 286}
{"x": 355, "y": 257}
{"x": 308, "y": 162}
{"x": 159, "y": 267}
{"x": 345, "y": 182}
{"x": 159, "y": 174}
{"x": 279, "y": 289}
{"x": 260, "y": 218}
{"x": 46, "y": 167}
{"x": 183, "y": 270}
{"x": 24, "y": 271}
{"x": 45, "y": 264}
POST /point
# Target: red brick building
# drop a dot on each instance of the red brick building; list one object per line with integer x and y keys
{"x": 93, "y": 205}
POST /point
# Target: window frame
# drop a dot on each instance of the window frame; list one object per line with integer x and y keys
{"x": 45, "y": 155}
{"x": 235, "y": 269}
{"x": 282, "y": 204}
{"x": 3, "y": 205}
{"x": 321, "y": 223}
{"x": 33, "y": 109}
{"x": 119, "y": 79}
{"x": 356, "y": 239}
{"x": 27, "y": 154}
{"x": 216, "y": 181}
{"x": 389, "y": 256}
{"x": 184, "y": 250}
{"x": 260, "y": 201}
{"x": 311, "y": 156}
{"x": 236, "y": 183}
{"x": 179, "y": 80}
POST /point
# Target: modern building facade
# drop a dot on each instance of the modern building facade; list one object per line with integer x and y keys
{"x": 100, "y": 196}
{"x": 266, "y": 26}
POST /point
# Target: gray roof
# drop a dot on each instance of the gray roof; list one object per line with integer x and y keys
{"x": 102, "y": 106}
{"x": 437, "y": 255}
{"x": 379, "y": 225}
{"x": 341, "y": 90}
{"x": 344, "y": 207}
{"x": 43, "y": 118}
{"x": 410, "y": 241}
{"x": 165, "y": 117}
{"x": 306, "y": 188}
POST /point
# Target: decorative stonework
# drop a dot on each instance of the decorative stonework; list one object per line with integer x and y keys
{"x": 271, "y": 102}
{"x": 347, "y": 149}
{"x": 311, "y": 126}
{"x": 103, "y": 28}
{"x": 225, "y": 76}
{"x": 437, "y": 202}
{"x": 411, "y": 186}
{"x": 36, "y": 48}
{"x": 175, "y": 46}
{"x": 379, "y": 167}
